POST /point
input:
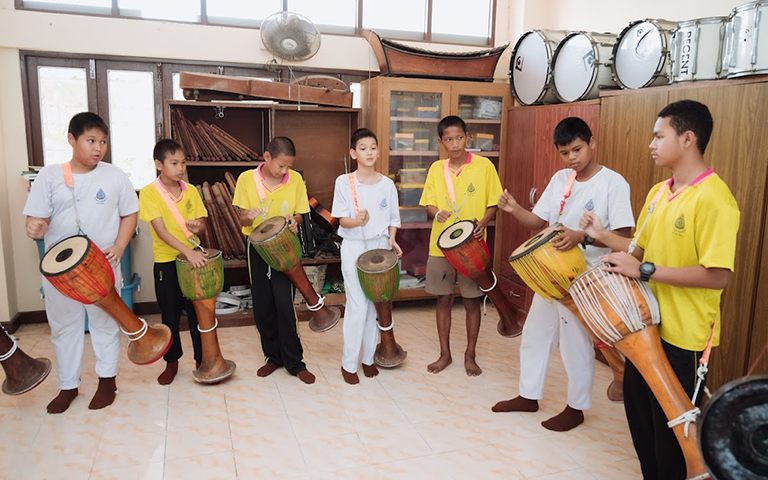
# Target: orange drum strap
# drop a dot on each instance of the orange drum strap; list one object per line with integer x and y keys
{"x": 567, "y": 192}
{"x": 69, "y": 181}
{"x": 449, "y": 185}
{"x": 353, "y": 191}
{"x": 171, "y": 204}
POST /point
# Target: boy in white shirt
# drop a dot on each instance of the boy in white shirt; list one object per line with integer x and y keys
{"x": 583, "y": 186}
{"x": 369, "y": 217}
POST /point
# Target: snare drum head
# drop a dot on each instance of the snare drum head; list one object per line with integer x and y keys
{"x": 529, "y": 68}
{"x": 455, "y": 235}
{"x": 639, "y": 54}
{"x": 268, "y": 229}
{"x": 574, "y": 67}
{"x": 377, "y": 261}
{"x": 64, "y": 256}
{"x": 536, "y": 241}
{"x": 733, "y": 430}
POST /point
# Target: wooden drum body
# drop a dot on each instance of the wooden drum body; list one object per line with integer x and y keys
{"x": 470, "y": 257}
{"x": 623, "y": 312}
{"x": 281, "y": 250}
{"x": 22, "y": 373}
{"x": 78, "y": 269}
{"x": 201, "y": 285}
{"x": 379, "y": 274}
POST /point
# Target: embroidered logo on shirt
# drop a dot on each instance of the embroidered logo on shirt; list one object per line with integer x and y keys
{"x": 590, "y": 206}
{"x": 383, "y": 204}
{"x": 189, "y": 206}
{"x": 680, "y": 224}
{"x": 101, "y": 197}
{"x": 471, "y": 189}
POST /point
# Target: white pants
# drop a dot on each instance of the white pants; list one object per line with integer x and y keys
{"x": 67, "y": 320}
{"x": 360, "y": 327}
{"x": 548, "y": 322}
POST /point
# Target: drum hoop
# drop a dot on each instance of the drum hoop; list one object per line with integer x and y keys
{"x": 595, "y": 69}
{"x": 89, "y": 245}
{"x": 748, "y": 6}
{"x": 458, "y": 244}
{"x": 542, "y": 241}
{"x": 699, "y": 21}
{"x": 268, "y": 239}
{"x": 547, "y": 81}
{"x": 182, "y": 259}
{"x": 663, "y": 58}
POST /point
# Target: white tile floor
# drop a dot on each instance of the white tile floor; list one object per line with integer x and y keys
{"x": 404, "y": 424}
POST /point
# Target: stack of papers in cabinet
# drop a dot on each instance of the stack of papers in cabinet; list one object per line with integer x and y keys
{"x": 408, "y": 282}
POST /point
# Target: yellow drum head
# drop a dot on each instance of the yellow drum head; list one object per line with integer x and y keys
{"x": 64, "y": 256}
{"x": 267, "y": 230}
{"x": 536, "y": 241}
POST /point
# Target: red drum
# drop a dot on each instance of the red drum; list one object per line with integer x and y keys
{"x": 22, "y": 373}
{"x": 79, "y": 270}
{"x": 470, "y": 257}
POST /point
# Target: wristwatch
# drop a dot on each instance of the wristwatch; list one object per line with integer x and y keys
{"x": 587, "y": 241}
{"x": 646, "y": 270}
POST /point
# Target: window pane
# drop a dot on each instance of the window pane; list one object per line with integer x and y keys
{"x": 182, "y": 10}
{"x": 399, "y": 18}
{"x": 453, "y": 21}
{"x": 132, "y": 123}
{"x": 85, "y": 6}
{"x": 241, "y": 12}
{"x": 63, "y": 94}
{"x": 341, "y": 14}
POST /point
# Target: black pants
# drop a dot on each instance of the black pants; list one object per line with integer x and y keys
{"x": 655, "y": 443}
{"x": 171, "y": 302}
{"x": 274, "y": 315}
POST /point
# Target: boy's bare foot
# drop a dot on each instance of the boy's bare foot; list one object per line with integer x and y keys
{"x": 517, "y": 404}
{"x": 305, "y": 376}
{"x": 350, "y": 378}
{"x": 565, "y": 420}
{"x": 440, "y": 364}
{"x": 62, "y": 401}
{"x": 105, "y": 394}
{"x": 472, "y": 368}
{"x": 267, "y": 369}
{"x": 165, "y": 378}
{"x": 370, "y": 370}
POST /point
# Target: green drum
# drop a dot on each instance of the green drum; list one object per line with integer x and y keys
{"x": 276, "y": 244}
{"x": 201, "y": 283}
{"x": 379, "y": 275}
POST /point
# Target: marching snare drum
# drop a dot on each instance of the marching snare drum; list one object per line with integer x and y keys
{"x": 746, "y": 50}
{"x": 581, "y": 66}
{"x": 78, "y": 269}
{"x": 379, "y": 274}
{"x": 697, "y": 50}
{"x": 641, "y": 54}
{"x": 201, "y": 285}
{"x": 279, "y": 247}
{"x": 530, "y": 75}
{"x": 471, "y": 258}
{"x": 623, "y": 312}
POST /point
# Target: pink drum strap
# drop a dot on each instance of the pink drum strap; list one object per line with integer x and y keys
{"x": 258, "y": 179}
{"x": 447, "y": 175}
{"x": 353, "y": 191}
{"x": 567, "y": 192}
{"x": 166, "y": 196}
{"x": 69, "y": 181}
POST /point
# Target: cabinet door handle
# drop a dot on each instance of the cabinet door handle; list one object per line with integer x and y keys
{"x": 513, "y": 294}
{"x": 532, "y": 197}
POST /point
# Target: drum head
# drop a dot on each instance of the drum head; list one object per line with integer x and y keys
{"x": 529, "y": 68}
{"x": 268, "y": 229}
{"x": 638, "y": 55}
{"x": 733, "y": 430}
{"x": 536, "y": 241}
{"x": 376, "y": 261}
{"x": 210, "y": 254}
{"x": 65, "y": 255}
{"x": 574, "y": 67}
{"x": 455, "y": 235}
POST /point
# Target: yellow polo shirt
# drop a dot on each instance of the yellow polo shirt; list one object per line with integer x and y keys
{"x": 288, "y": 198}
{"x": 696, "y": 225}
{"x": 152, "y": 206}
{"x": 476, "y": 185}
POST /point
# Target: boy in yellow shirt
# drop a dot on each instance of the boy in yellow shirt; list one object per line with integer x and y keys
{"x": 169, "y": 240}
{"x": 684, "y": 248}
{"x": 280, "y": 191}
{"x": 474, "y": 193}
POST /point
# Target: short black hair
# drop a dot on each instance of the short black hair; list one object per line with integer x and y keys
{"x": 360, "y": 134}
{"x": 281, "y": 145}
{"x": 450, "y": 121}
{"x": 569, "y": 129}
{"x": 86, "y": 121}
{"x": 690, "y": 115}
{"x": 166, "y": 147}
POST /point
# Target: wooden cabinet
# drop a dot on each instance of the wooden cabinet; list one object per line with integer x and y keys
{"x": 404, "y": 113}
{"x": 531, "y": 160}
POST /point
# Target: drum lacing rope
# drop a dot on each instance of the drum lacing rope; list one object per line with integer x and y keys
{"x": 385, "y": 329}
{"x": 15, "y": 345}
{"x": 320, "y": 304}
{"x": 140, "y": 332}
{"x": 486, "y": 290}
{"x": 215, "y": 324}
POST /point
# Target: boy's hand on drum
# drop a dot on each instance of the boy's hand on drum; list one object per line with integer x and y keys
{"x": 567, "y": 240}
{"x": 623, "y": 263}
{"x": 36, "y": 227}
{"x": 292, "y": 224}
{"x": 362, "y": 217}
{"x": 507, "y": 202}
{"x": 196, "y": 258}
{"x": 442, "y": 216}
{"x": 395, "y": 247}
{"x": 195, "y": 225}
{"x": 253, "y": 213}
{"x": 114, "y": 254}
{"x": 591, "y": 224}
{"x": 479, "y": 231}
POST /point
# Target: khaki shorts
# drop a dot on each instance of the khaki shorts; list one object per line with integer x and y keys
{"x": 442, "y": 279}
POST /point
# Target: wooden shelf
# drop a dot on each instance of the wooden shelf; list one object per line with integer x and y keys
{"x": 415, "y": 153}
{"x": 415, "y": 119}
{"x": 243, "y": 163}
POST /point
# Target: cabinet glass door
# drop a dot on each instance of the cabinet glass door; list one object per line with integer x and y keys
{"x": 483, "y": 116}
